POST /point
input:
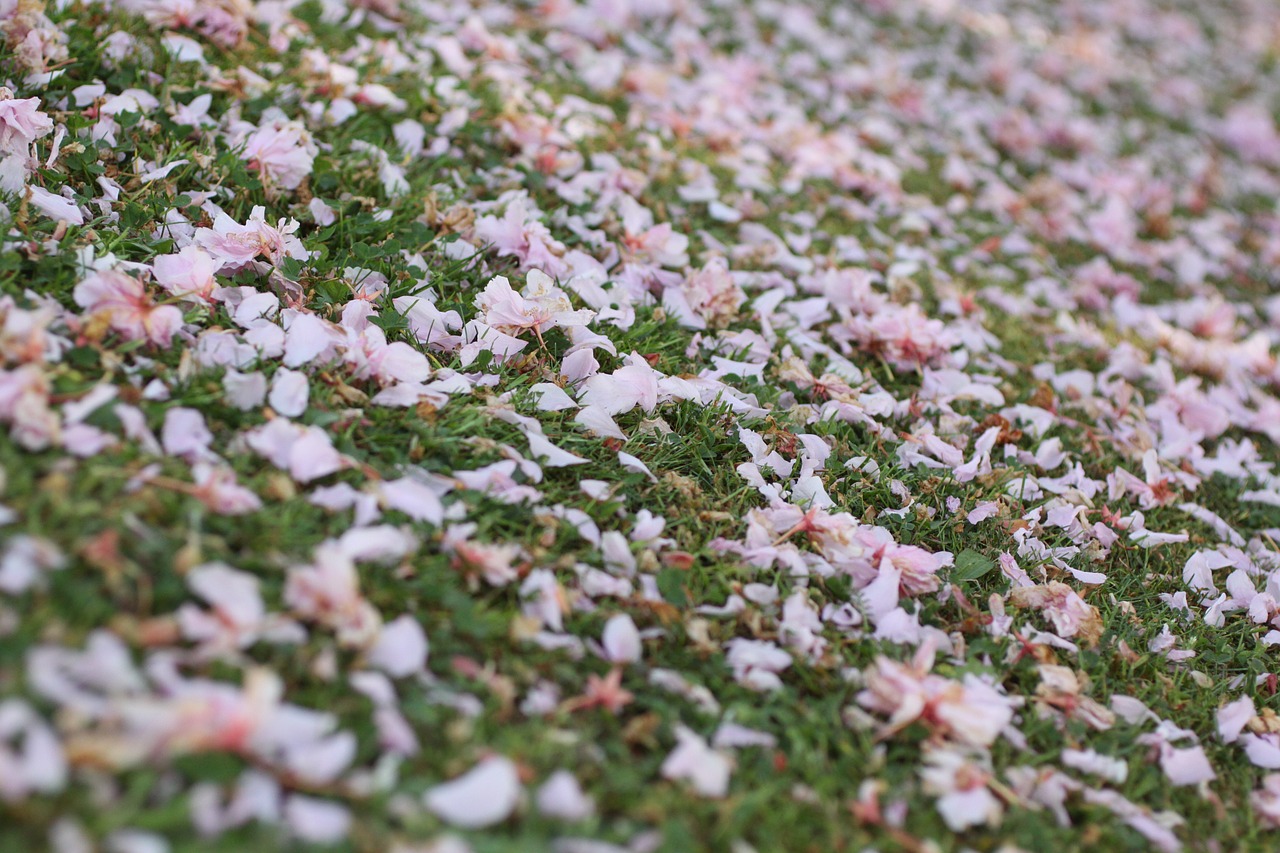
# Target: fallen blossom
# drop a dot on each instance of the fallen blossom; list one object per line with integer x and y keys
{"x": 127, "y": 308}
{"x": 486, "y": 794}
{"x": 707, "y": 770}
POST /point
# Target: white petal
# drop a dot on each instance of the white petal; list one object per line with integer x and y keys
{"x": 401, "y": 648}
{"x": 621, "y": 640}
{"x": 561, "y": 797}
{"x": 484, "y": 795}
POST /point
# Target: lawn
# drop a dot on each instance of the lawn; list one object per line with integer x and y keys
{"x": 639, "y": 425}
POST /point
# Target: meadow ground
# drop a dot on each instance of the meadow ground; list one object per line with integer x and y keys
{"x": 639, "y": 425}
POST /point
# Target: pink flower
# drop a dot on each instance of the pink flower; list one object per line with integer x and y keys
{"x": 964, "y": 800}
{"x": 635, "y": 384}
{"x": 234, "y": 245}
{"x": 282, "y": 152}
{"x": 24, "y": 405}
{"x": 756, "y": 663}
{"x": 480, "y": 337}
{"x": 499, "y": 565}
{"x": 904, "y": 336}
{"x": 1157, "y": 488}
{"x": 1069, "y": 614}
{"x": 188, "y": 274}
{"x": 371, "y": 357}
{"x": 216, "y": 488}
{"x": 21, "y": 123}
{"x": 520, "y": 233}
{"x": 236, "y": 617}
{"x": 968, "y": 713}
{"x": 1266, "y": 800}
{"x": 327, "y": 591}
{"x": 801, "y": 626}
{"x": 433, "y": 327}
{"x": 538, "y": 307}
{"x": 223, "y": 21}
{"x": 658, "y": 245}
{"x": 707, "y": 770}
{"x": 712, "y": 294}
{"x": 917, "y": 568}
{"x": 123, "y": 300}
{"x": 209, "y": 716}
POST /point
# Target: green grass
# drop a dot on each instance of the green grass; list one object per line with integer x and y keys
{"x": 128, "y": 548}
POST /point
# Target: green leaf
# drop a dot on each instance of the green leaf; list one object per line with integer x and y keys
{"x": 970, "y": 565}
{"x": 291, "y": 267}
{"x": 209, "y": 767}
{"x": 840, "y": 587}
{"x": 81, "y": 357}
{"x": 671, "y": 585}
